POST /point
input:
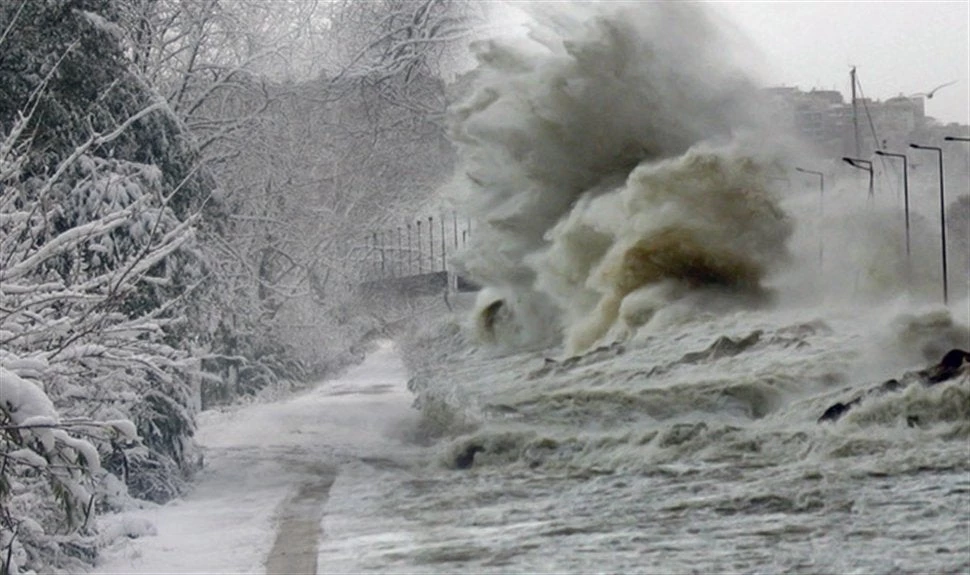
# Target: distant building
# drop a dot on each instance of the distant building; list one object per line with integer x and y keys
{"x": 814, "y": 116}
{"x": 828, "y": 122}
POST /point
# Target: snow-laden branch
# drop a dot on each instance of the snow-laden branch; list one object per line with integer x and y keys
{"x": 94, "y": 141}
{"x": 69, "y": 240}
{"x": 169, "y": 243}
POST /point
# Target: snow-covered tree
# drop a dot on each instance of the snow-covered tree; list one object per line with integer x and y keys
{"x": 311, "y": 149}
{"x": 402, "y": 50}
{"x": 100, "y": 267}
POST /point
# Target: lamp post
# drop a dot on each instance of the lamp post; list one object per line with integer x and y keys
{"x": 821, "y": 206}
{"x": 939, "y": 152}
{"x": 821, "y": 178}
{"x": 956, "y": 139}
{"x": 905, "y": 193}
{"x": 861, "y": 165}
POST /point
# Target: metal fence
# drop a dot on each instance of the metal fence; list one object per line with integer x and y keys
{"x": 414, "y": 256}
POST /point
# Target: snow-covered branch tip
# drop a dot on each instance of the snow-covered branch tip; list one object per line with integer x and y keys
{"x": 94, "y": 141}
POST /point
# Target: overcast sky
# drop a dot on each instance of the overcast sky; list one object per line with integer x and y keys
{"x": 898, "y": 47}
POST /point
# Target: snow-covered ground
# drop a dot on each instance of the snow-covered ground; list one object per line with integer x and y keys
{"x": 257, "y": 460}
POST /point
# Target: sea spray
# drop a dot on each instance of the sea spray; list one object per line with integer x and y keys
{"x": 602, "y": 158}
{"x": 705, "y": 219}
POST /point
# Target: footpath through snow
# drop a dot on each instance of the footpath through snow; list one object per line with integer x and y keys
{"x": 258, "y": 504}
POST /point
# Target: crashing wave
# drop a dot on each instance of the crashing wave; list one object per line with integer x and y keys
{"x": 603, "y": 160}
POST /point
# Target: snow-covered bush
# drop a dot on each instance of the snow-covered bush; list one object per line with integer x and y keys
{"x": 79, "y": 249}
{"x": 100, "y": 282}
{"x": 48, "y": 469}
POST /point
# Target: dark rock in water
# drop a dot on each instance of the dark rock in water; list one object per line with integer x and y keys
{"x": 836, "y": 411}
{"x": 891, "y": 385}
{"x": 466, "y": 458}
{"x": 954, "y": 363}
{"x": 949, "y": 367}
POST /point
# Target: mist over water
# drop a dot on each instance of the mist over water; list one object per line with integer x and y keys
{"x": 614, "y": 164}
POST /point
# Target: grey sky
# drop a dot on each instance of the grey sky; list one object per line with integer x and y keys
{"x": 898, "y": 47}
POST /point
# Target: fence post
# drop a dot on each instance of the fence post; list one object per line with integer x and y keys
{"x": 383, "y": 257}
{"x": 444, "y": 261}
{"x": 420, "y": 262}
{"x": 400, "y": 261}
{"x": 373, "y": 247}
{"x": 410, "y": 255}
{"x": 431, "y": 243}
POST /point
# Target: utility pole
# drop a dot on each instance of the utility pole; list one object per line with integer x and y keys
{"x": 855, "y": 115}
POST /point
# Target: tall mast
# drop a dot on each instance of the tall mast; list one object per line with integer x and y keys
{"x": 855, "y": 115}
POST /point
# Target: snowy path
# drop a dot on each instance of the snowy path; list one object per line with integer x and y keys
{"x": 258, "y": 505}
{"x": 299, "y": 532}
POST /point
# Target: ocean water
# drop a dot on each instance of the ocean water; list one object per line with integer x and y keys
{"x": 637, "y": 386}
{"x": 697, "y": 451}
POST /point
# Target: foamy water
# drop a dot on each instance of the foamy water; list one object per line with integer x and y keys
{"x": 637, "y": 388}
{"x": 696, "y": 452}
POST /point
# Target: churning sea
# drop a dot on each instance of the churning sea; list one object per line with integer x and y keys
{"x": 693, "y": 449}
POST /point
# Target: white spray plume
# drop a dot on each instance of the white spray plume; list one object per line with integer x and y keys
{"x": 609, "y": 163}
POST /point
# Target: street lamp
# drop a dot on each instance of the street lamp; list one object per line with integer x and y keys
{"x": 821, "y": 178}
{"x": 905, "y": 193}
{"x": 821, "y": 206}
{"x": 939, "y": 152}
{"x": 956, "y": 139}
{"x": 862, "y": 165}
